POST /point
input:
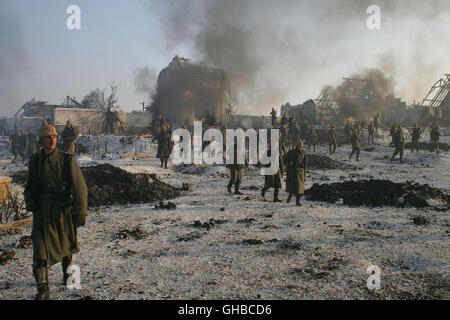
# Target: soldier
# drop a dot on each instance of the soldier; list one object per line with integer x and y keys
{"x": 377, "y": 121}
{"x": 348, "y": 131}
{"x": 273, "y": 181}
{"x": 370, "y": 130}
{"x": 56, "y": 193}
{"x": 68, "y": 137}
{"x": 312, "y": 138}
{"x": 274, "y": 117}
{"x": 392, "y": 132}
{"x": 14, "y": 144}
{"x": 284, "y": 120}
{"x": 415, "y": 137}
{"x": 296, "y": 165}
{"x": 332, "y": 138}
{"x": 434, "y": 137}
{"x": 399, "y": 142}
{"x": 294, "y": 132}
{"x": 236, "y": 171}
{"x": 164, "y": 146}
{"x": 284, "y": 137}
{"x": 23, "y": 145}
{"x": 33, "y": 144}
{"x": 356, "y": 144}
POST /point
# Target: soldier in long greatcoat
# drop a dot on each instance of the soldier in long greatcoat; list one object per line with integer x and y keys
{"x": 273, "y": 181}
{"x": 56, "y": 193}
{"x": 164, "y": 146}
{"x": 296, "y": 166}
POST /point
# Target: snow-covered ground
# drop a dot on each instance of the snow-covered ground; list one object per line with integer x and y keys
{"x": 249, "y": 248}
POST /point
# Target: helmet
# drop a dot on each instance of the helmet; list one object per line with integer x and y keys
{"x": 47, "y": 130}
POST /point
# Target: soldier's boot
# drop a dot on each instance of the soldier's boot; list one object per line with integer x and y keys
{"x": 41, "y": 276}
{"x": 162, "y": 163}
{"x": 236, "y": 189}
{"x": 66, "y": 262}
{"x": 165, "y": 163}
{"x": 275, "y": 196}
{"x": 297, "y": 200}
{"x": 289, "y": 197}
{"x": 229, "y": 187}
{"x": 263, "y": 192}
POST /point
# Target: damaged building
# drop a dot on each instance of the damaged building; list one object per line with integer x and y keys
{"x": 187, "y": 92}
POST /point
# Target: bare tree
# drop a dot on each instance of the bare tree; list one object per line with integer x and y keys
{"x": 231, "y": 103}
{"x": 98, "y": 99}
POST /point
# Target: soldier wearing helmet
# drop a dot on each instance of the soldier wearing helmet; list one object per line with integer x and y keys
{"x": 56, "y": 193}
{"x": 68, "y": 137}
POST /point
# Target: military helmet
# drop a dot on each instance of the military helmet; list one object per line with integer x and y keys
{"x": 47, "y": 130}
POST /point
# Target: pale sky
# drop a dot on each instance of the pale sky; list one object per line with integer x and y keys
{"x": 315, "y": 45}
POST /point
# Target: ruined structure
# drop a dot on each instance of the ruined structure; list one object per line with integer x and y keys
{"x": 438, "y": 100}
{"x": 306, "y": 111}
{"x": 187, "y": 92}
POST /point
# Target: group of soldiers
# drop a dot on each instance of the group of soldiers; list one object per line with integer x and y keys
{"x": 25, "y": 145}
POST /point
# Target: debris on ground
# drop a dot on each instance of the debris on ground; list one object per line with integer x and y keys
{"x": 427, "y": 146}
{"x": 321, "y": 162}
{"x": 7, "y": 256}
{"x": 208, "y": 224}
{"x": 253, "y": 241}
{"x": 137, "y": 234}
{"x": 110, "y": 185}
{"x": 168, "y": 206}
{"x": 420, "y": 221}
{"x": 25, "y": 242}
{"x": 377, "y": 193}
{"x": 190, "y": 236}
{"x": 185, "y": 186}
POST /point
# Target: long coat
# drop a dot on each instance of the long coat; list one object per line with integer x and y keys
{"x": 164, "y": 145}
{"x": 296, "y": 166}
{"x": 274, "y": 181}
{"x": 52, "y": 182}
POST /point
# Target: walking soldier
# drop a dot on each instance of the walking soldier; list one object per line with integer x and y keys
{"x": 296, "y": 165}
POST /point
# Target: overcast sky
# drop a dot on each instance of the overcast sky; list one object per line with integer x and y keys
{"x": 274, "y": 51}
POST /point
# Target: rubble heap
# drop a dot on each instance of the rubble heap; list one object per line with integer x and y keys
{"x": 377, "y": 193}
{"x": 110, "y": 185}
{"x": 321, "y": 162}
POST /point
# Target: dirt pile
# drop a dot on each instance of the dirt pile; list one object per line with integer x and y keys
{"x": 110, "y": 185}
{"x": 321, "y": 162}
{"x": 377, "y": 193}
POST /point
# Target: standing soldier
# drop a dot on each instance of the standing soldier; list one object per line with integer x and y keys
{"x": 371, "y": 130}
{"x": 312, "y": 138}
{"x": 294, "y": 132}
{"x": 399, "y": 142}
{"x": 296, "y": 163}
{"x": 15, "y": 144}
{"x": 273, "y": 181}
{"x": 68, "y": 137}
{"x": 164, "y": 146}
{"x": 56, "y": 193}
{"x": 33, "y": 144}
{"x": 236, "y": 170}
{"x": 284, "y": 138}
{"x": 356, "y": 144}
{"x": 23, "y": 145}
{"x": 392, "y": 132}
{"x": 434, "y": 137}
{"x": 415, "y": 137}
{"x": 348, "y": 131}
{"x": 284, "y": 120}
{"x": 332, "y": 138}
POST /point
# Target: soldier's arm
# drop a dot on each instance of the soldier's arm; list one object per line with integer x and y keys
{"x": 79, "y": 189}
{"x": 29, "y": 193}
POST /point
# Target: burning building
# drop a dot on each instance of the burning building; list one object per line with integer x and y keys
{"x": 187, "y": 92}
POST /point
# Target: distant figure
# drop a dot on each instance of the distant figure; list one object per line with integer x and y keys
{"x": 356, "y": 144}
{"x": 236, "y": 171}
{"x": 377, "y": 121}
{"x": 434, "y": 137}
{"x": 312, "y": 138}
{"x": 164, "y": 146}
{"x": 273, "y": 181}
{"x": 296, "y": 166}
{"x": 68, "y": 137}
{"x": 23, "y": 145}
{"x": 294, "y": 132}
{"x": 274, "y": 117}
{"x": 284, "y": 120}
{"x": 14, "y": 144}
{"x": 332, "y": 139}
{"x": 371, "y": 130}
{"x": 33, "y": 143}
{"x": 399, "y": 142}
{"x": 415, "y": 137}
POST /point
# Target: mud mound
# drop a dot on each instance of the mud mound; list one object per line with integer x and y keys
{"x": 427, "y": 146}
{"x": 321, "y": 162}
{"x": 109, "y": 185}
{"x": 377, "y": 193}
